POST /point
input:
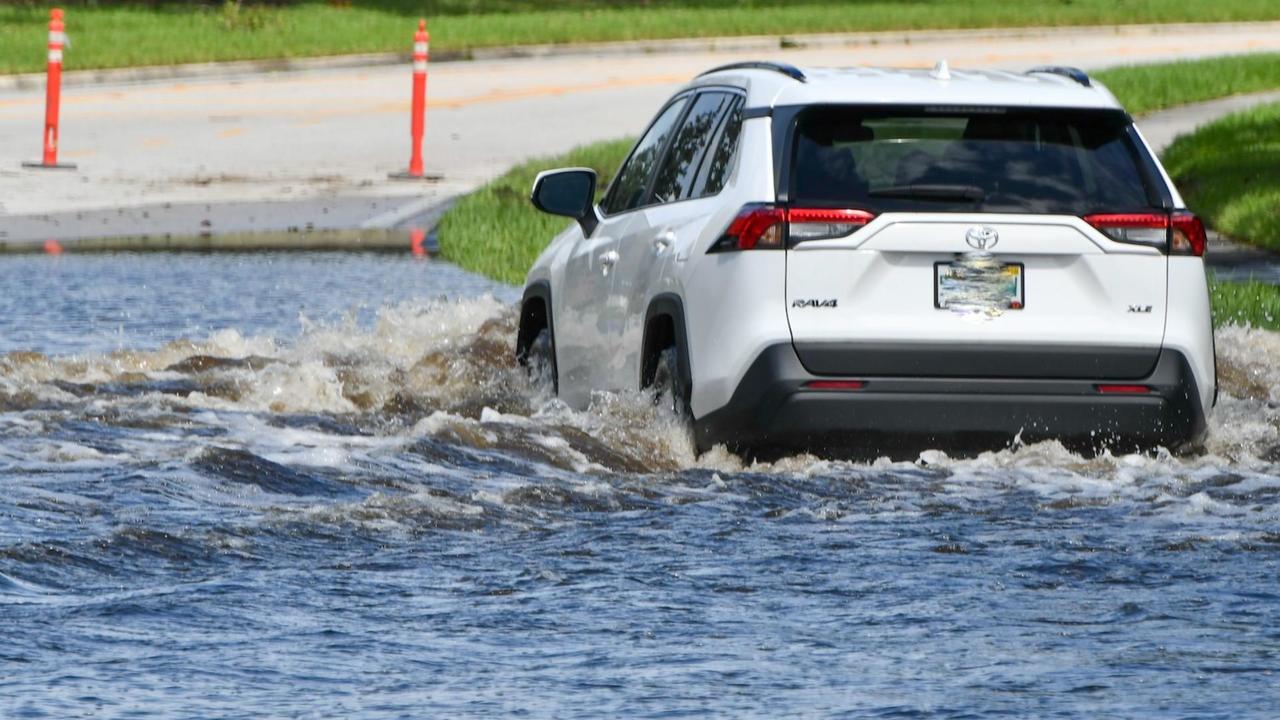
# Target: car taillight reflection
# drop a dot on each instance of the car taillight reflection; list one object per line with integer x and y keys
{"x": 1124, "y": 389}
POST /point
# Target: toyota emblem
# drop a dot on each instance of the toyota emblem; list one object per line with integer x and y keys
{"x": 982, "y": 237}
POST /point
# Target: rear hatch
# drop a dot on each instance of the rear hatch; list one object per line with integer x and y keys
{"x": 985, "y": 242}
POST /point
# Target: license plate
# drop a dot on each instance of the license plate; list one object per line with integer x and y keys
{"x": 957, "y": 287}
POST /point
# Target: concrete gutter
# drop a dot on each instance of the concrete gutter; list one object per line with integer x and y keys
{"x": 336, "y": 223}
{"x": 750, "y": 43}
{"x": 276, "y": 241}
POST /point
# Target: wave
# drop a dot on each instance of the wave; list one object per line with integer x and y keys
{"x": 443, "y": 370}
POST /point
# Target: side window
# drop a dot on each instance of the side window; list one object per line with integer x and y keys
{"x": 715, "y": 167}
{"x": 628, "y": 189}
{"x": 680, "y": 167}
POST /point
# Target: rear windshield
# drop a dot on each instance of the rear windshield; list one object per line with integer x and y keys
{"x": 956, "y": 160}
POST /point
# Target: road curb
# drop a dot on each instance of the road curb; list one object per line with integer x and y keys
{"x": 748, "y": 43}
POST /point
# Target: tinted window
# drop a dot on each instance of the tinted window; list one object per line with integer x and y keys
{"x": 1039, "y": 161}
{"x": 680, "y": 167}
{"x": 628, "y": 190}
{"x": 716, "y": 165}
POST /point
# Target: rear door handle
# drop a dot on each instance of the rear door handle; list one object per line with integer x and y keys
{"x": 607, "y": 261}
{"x": 664, "y": 241}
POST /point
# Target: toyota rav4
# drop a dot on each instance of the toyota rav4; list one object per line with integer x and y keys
{"x": 833, "y": 258}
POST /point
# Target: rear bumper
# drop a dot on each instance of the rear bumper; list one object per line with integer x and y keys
{"x": 771, "y": 411}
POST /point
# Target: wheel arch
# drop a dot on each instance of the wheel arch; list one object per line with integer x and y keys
{"x": 535, "y": 314}
{"x": 664, "y": 325}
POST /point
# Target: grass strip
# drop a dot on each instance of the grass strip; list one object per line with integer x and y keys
{"x": 1245, "y": 303}
{"x": 496, "y": 232}
{"x": 1229, "y": 173}
{"x": 1145, "y": 88}
{"x": 129, "y": 34}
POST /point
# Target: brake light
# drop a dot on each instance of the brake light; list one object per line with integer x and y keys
{"x": 824, "y": 224}
{"x": 757, "y": 226}
{"x": 1187, "y": 236}
{"x": 1181, "y": 233}
{"x": 769, "y": 227}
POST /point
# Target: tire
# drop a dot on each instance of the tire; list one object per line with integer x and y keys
{"x": 668, "y": 384}
{"x": 540, "y": 360}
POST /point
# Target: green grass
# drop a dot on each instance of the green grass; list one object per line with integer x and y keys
{"x": 495, "y": 231}
{"x": 1251, "y": 303}
{"x": 1229, "y": 173}
{"x": 1144, "y": 88}
{"x": 156, "y": 33}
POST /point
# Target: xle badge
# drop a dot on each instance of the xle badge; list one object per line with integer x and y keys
{"x": 814, "y": 303}
{"x": 1139, "y": 308}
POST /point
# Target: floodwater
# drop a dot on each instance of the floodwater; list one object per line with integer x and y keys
{"x": 313, "y": 485}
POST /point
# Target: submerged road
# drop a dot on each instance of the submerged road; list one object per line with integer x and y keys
{"x": 329, "y": 138}
{"x": 210, "y": 507}
{"x": 290, "y": 484}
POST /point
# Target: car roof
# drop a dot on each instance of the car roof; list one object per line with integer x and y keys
{"x": 771, "y": 85}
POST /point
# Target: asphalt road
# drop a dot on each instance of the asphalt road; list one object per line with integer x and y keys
{"x": 207, "y": 154}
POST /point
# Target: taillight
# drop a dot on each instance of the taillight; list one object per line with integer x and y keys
{"x": 1181, "y": 233}
{"x": 769, "y": 227}
{"x": 1187, "y": 236}
{"x": 757, "y": 226}
{"x": 823, "y": 224}
{"x": 1138, "y": 228}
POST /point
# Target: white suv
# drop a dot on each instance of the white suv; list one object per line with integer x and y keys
{"x": 832, "y": 259}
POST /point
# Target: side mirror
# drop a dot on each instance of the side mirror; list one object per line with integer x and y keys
{"x": 570, "y": 192}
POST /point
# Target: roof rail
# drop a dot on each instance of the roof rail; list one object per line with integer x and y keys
{"x": 790, "y": 71}
{"x": 1073, "y": 73}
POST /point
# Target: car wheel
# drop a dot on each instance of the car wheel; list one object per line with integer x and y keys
{"x": 540, "y": 360}
{"x": 668, "y": 386}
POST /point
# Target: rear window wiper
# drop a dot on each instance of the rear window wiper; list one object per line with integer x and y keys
{"x": 941, "y": 193}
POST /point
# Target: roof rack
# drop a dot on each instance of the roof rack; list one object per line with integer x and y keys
{"x": 790, "y": 71}
{"x": 1072, "y": 73}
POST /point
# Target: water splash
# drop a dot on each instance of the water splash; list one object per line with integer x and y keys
{"x": 444, "y": 369}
